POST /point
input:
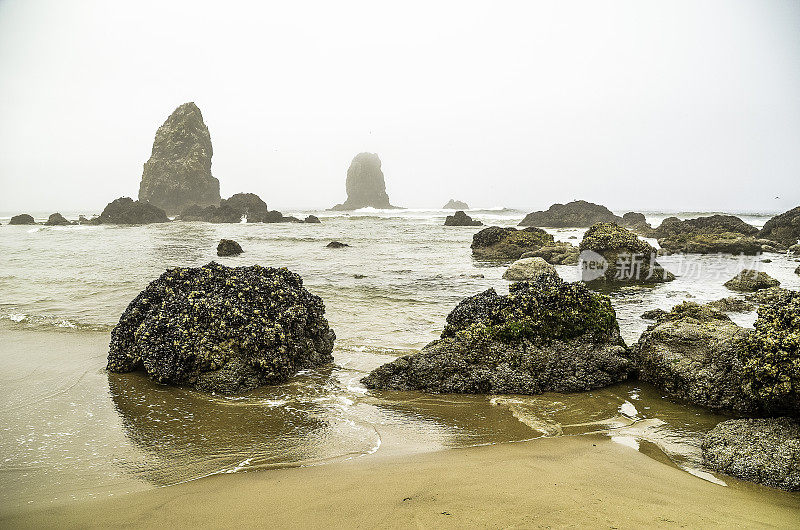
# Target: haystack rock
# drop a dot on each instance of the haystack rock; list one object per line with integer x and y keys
{"x": 178, "y": 173}
{"x": 365, "y": 184}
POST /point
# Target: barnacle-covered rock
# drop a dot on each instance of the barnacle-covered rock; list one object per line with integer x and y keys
{"x": 545, "y": 335}
{"x": 749, "y": 280}
{"x": 572, "y": 214}
{"x": 528, "y": 269}
{"x": 783, "y": 228}
{"x": 622, "y": 255}
{"x": 228, "y": 247}
{"x": 222, "y": 329}
{"x": 762, "y": 450}
{"x": 713, "y": 234}
{"x": 461, "y": 219}
{"x": 508, "y": 243}
{"x": 557, "y": 253}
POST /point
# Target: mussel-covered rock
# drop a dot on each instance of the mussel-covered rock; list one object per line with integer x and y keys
{"x": 461, "y": 219}
{"x": 57, "y": 219}
{"x": 228, "y": 247}
{"x": 508, "y": 243}
{"x": 557, "y": 253}
{"x": 528, "y": 269}
{"x": 749, "y": 280}
{"x": 693, "y": 354}
{"x": 572, "y": 214}
{"x": 762, "y": 450}
{"x": 222, "y": 329}
{"x": 783, "y": 228}
{"x": 545, "y": 335}
{"x": 613, "y": 254}
{"x": 725, "y": 234}
{"x": 22, "y": 219}
{"x": 126, "y": 211}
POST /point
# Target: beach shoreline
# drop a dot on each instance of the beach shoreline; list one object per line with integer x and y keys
{"x": 563, "y": 481}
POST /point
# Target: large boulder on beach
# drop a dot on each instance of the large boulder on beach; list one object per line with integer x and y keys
{"x": 572, "y": 214}
{"x": 222, "y": 329}
{"x": 126, "y": 211}
{"x": 365, "y": 184}
{"x": 528, "y": 269}
{"x": 22, "y": 219}
{"x": 761, "y": 450}
{"x": 453, "y": 204}
{"x": 693, "y": 354}
{"x": 178, "y": 173}
{"x": 556, "y": 253}
{"x": 56, "y": 219}
{"x": 508, "y": 243}
{"x": 228, "y": 247}
{"x": 544, "y": 336}
{"x": 461, "y": 219}
{"x": 726, "y": 234}
{"x": 749, "y": 280}
{"x": 783, "y": 228}
{"x": 617, "y": 255}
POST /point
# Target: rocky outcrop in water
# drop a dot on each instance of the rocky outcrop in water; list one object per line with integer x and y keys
{"x": 178, "y": 173}
{"x": 750, "y": 280}
{"x": 545, "y": 336}
{"x": 365, "y": 184}
{"x": 783, "y": 228}
{"x": 762, "y": 450}
{"x": 508, "y": 243}
{"x": 126, "y": 211}
{"x": 618, "y": 256}
{"x": 453, "y": 204}
{"x": 239, "y": 207}
{"x": 731, "y": 304}
{"x": 22, "y": 219}
{"x": 572, "y": 214}
{"x": 222, "y": 329}
{"x": 313, "y": 219}
{"x": 228, "y": 247}
{"x": 714, "y": 234}
{"x": 461, "y": 219}
{"x": 528, "y": 269}
{"x": 336, "y": 244}
{"x": 557, "y": 253}
{"x": 637, "y": 223}
{"x": 56, "y": 219}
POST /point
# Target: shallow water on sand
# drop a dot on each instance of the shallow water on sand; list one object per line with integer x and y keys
{"x": 72, "y": 431}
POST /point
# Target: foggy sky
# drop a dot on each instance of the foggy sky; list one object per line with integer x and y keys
{"x": 677, "y": 105}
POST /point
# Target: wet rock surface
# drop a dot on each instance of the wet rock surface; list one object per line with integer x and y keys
{"x": 572, "y": 214}
{"x": 228, "y": 247}
{"x": 546, "y": 335}
{"x": 761, "y": 450}
{"x": 508, "y": 243}
{"x": 222, "y": 329}
{"x": 461, "y": 219}
{"x": 365, "y": 184}
{"x": 22, "y": 219}
{"x": 626, "y": 258}
{"x": 750, "y": 280}
{"x": 126, "y": 211}
{"x": 178, "y": 173}
{"x": 783, "y": 228}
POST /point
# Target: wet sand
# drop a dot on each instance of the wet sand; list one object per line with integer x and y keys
{"x": 564, "y": 481}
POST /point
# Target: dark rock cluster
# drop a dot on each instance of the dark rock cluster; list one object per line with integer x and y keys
{"x": 725, "y": 234}
{"x": 240, "y": 206}
{"x": 508, "y": 243}
{"x": 365, "y": 184}
{"x": 222, "y": 329}
{"x": 126, "y": 211}
{"x": 626, "y": 258}
{"x": 572, "y": 214}
{"x": 461, "y": 219}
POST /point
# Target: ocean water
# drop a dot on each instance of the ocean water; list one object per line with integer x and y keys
{"x": 71, "y": 431}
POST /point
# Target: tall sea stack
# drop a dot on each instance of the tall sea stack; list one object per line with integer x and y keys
{"x": 178, "y": 173}
{"x": 365, "y": 184}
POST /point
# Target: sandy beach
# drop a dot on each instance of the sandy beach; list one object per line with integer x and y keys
{"x": 582, "y": 481}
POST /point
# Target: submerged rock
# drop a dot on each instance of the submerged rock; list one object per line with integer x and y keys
{"x": 22, "y": 219}
{"x": 222, "y": 329}
{"x": 336, "y": 244}
{"x": 572, "y": 214}
{"x": 618, "y": 256}
{"x": 762, "y": 450}
{"x": 508, "y": 243}
{"x": 228, "y": 247}
{"x": 178, "y": 173}
{"x": 725, "y": 234}
{"x": 56, "y": 219}
{"x": 453, "y": 204}
{"x": 783, "y": 228}
{"x": 692, "y": 354}
{"x": 528, "y": 269}
{"x": 557, "y": 253}
{"x": 461, "y": 219}
{"x": 749, "y": 280}
{"x": 365, "y": 184}
{"x": 126, "y": 211}
{"x": 544, "y": 336}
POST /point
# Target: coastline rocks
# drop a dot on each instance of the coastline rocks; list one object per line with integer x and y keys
{"x": 22, "y": 219}
{"x": 783, "y": 228}
{"x": 508, "y": 243}
{"x": 637, "y": 222}
{"x": 228, "y": 247}
{"x": 365, "y": 184}
{"x": 336, "y": 244}
{"x": 692, "y": 354}
{"x": 557, "y": 253}
{"x": 731, "y": 304}
{"x": 769, "y": 295}
{"x": 726, "y": 234}
{"x": 222, "y": 329}
{"x": 453, "y": 204}
{"x": 572, "y": 214}
{"x": 178, "y": 173}
{"x": 248, "y": 205}
{"x": 56, "y": 219}
{"x": 544, "y": 336}
{"x": 313, "y": 219}
{"x": 461, "y": 219}
{"x": 528, "y": 269}
{"x": 126, "y": 211}
{"x": 749, "y": 280}
{"x": 618, "y": 256}
{"x": 761, "y": 450}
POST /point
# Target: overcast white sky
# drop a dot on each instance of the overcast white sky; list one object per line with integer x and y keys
{"x": 639, "y": 104}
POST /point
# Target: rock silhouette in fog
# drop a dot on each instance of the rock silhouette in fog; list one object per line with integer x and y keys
{"x": 365, "y": 184}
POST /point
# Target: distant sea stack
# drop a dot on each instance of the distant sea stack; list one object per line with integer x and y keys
{"x": 178, "y": 173}
{"x": 365, "y": 184}
{"x": 453, "y": 204}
